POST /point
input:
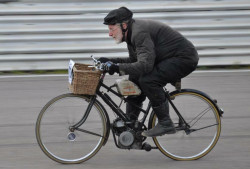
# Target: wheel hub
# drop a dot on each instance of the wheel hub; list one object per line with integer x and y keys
{"x": 71, "y": 136}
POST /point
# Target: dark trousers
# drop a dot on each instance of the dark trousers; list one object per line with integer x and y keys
{"x": 167, "y": 71}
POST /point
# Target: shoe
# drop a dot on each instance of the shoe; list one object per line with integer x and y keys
{"x": 165, "y": 124}
{"x": 166, "y": 127}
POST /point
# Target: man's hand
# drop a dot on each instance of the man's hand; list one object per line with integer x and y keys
{"x": 103, "y": 59}
{"x": 111, "y": 67}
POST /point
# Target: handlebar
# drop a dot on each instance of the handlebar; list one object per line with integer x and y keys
{"x": 97, "y": 64}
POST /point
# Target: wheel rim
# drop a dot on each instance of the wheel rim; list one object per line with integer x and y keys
{"x": 54, "y": 135}
{"x": 201, "y": 114}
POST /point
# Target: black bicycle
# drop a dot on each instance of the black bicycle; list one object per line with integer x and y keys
{"x": 72, "y": 128}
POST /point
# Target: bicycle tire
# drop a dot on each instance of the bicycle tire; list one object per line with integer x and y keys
{"x": 202, "y": 114}
{"x": 53, "y": 129}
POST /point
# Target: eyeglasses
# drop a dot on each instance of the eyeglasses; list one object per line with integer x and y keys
{"x": 112, "y": 30}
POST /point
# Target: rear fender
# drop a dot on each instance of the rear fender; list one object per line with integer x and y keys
{"x": 213, "y": 101}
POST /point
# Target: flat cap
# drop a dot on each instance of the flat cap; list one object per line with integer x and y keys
{"x": 118, "y": 16}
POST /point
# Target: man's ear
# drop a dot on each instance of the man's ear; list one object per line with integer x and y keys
{"x": 124, "y": 25}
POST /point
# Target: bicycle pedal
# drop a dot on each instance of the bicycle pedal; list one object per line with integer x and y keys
{"x": 146, "y": 147}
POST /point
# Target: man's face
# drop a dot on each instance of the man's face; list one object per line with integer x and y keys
{"x": 115, "y": 32}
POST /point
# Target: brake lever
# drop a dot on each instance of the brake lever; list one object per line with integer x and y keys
{"x": 97, "y": 64}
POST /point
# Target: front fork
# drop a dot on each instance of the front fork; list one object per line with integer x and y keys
{"x": 86, "y": 114}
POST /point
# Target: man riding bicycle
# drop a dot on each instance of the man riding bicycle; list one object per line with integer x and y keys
{"x": 157, "y": 55}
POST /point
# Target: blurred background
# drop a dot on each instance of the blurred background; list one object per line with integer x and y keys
{"x": 41, "y": 36}
{"x": 45, "y": 34}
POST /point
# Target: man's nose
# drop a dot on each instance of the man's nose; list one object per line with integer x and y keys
{"x": 110, "y": 33}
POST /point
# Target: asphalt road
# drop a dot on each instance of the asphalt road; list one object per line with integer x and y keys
{"x": 22, "y": 98}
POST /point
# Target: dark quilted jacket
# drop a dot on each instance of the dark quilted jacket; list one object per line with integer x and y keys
{"x": 149, "y": 42}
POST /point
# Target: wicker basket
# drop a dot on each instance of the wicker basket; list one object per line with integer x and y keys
{"x": 85, "y": 79}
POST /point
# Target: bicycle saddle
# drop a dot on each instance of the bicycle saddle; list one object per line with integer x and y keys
{"x": 177, "y": 84}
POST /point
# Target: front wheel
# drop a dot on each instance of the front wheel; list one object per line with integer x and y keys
{"x": 195, "y": 141}
{"x": 56, "y": 137}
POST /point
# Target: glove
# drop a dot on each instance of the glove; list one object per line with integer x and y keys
{"x": 103, "y": 59}
{"x": 111, "y": 67}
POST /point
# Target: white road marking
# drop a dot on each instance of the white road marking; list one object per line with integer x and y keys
{"x": 65, "y": 75}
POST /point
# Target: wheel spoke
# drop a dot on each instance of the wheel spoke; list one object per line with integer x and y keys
{"x": 201, "y": 115}
{"x": 55, "y": 132}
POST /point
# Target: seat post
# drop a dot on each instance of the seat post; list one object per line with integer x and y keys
{"x": 177, "y": 85}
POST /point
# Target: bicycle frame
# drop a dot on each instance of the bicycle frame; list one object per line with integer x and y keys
{"x": 183, "y": 125}
{"x": 106, "y": 98}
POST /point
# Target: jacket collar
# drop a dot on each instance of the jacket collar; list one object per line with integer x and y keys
{"x": 129, "y": 32}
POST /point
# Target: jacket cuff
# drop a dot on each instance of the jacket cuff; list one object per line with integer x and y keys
{"x": 121, "y": 71}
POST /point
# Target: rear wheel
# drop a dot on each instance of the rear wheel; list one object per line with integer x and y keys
{"x": 54, "y": 129}
{"x": 205, "y": 126}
